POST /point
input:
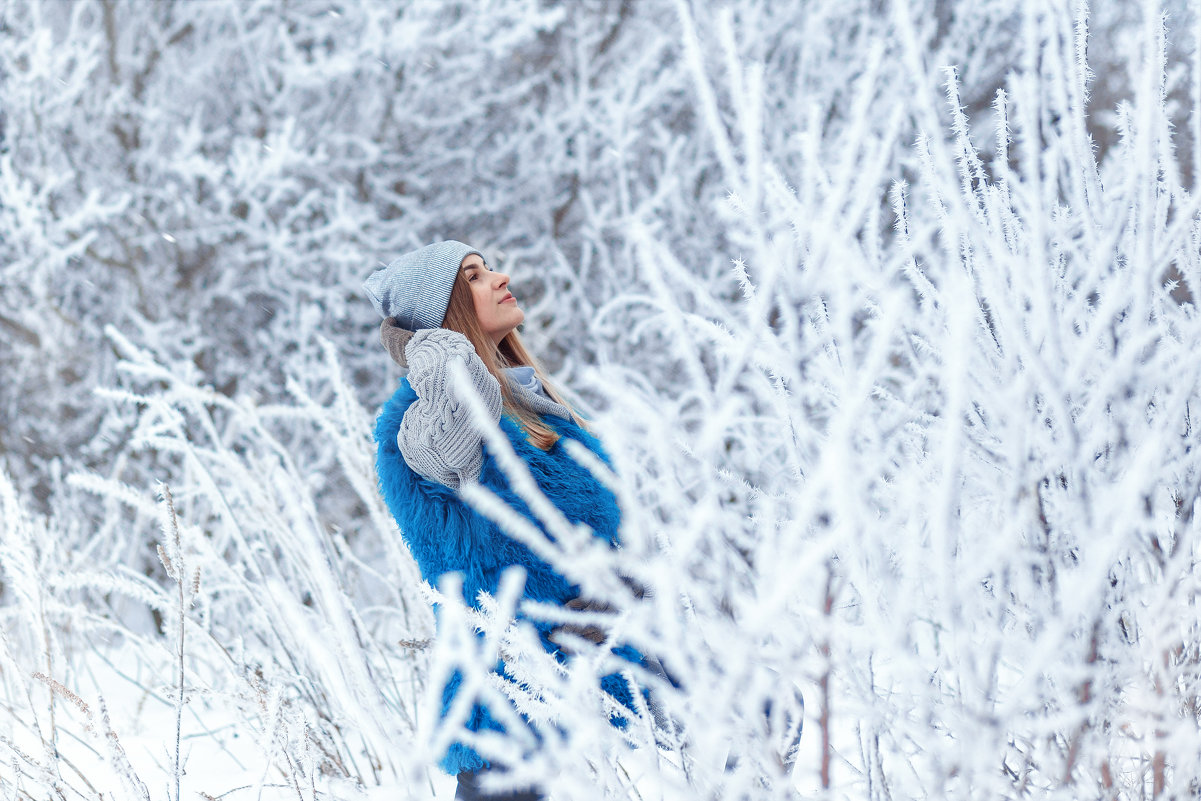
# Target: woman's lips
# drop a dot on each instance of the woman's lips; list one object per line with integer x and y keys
{"x": 508, "y": 298}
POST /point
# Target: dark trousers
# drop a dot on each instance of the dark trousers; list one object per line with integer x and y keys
{"x": 469, "y": 790}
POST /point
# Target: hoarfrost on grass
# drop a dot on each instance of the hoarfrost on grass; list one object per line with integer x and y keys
{"x": 884, "y": 311}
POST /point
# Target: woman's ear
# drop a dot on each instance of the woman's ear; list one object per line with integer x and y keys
{"x": 394, "y": 338}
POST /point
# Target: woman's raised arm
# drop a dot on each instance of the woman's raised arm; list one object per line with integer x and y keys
{"x": 437, "y": 437}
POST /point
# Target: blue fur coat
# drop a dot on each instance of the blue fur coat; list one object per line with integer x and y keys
{"x": 444, "y": 534}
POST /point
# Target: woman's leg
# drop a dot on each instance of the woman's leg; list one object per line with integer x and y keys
{"x": 469, "y": 790}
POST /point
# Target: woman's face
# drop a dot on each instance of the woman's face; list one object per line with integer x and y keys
{"x": 495, "y": 306}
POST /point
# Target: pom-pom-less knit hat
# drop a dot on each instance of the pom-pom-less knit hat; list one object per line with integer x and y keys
{"x": 415, "y": 287}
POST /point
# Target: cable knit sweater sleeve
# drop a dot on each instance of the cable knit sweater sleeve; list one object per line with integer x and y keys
{"x": 437, "y": 438}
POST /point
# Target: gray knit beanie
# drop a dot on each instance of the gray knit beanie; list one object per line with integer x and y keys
{"x": 415, "y": 288}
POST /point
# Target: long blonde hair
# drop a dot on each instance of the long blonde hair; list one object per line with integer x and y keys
{"x": 510, "y": 352}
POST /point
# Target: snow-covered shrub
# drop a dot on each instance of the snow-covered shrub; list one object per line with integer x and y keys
{"x": 895, "y": 361}
{"x": 940, "y": 462}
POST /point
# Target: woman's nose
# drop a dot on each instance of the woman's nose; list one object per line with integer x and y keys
{"x": 502, "y": 280}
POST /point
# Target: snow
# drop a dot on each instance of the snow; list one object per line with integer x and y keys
{"x": 885, "y": 312}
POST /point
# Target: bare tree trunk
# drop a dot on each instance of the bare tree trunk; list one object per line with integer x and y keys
{"x": 824, "y": 683}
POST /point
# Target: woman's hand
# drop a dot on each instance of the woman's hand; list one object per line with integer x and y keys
{"x": 437, "y": 437}
{"x": 428, "y": 353}
{"x": 588, "y": 631}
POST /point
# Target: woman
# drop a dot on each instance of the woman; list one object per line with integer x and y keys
{"x": 443, "y": 303}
